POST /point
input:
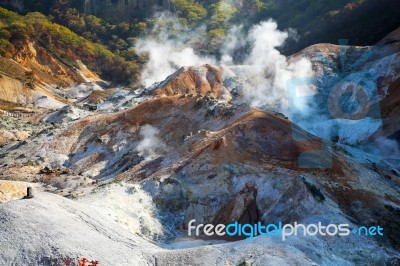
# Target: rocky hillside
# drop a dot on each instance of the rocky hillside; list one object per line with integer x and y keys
{"x": 40, "y": 60}
{"x": 21, "y": 35}
{"x": 35, "y": 79}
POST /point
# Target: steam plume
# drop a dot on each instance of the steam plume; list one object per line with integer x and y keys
{"x": 268, "y": 68}
{"x": 150, "y": 146}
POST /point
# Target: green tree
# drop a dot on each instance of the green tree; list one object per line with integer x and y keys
{"x": 6, "y": 48}
{"x": 190, "y": 10}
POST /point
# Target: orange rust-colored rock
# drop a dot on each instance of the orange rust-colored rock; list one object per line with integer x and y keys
{"x": 195, "y": 81}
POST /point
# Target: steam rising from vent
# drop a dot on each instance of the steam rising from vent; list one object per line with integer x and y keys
{"x": 267, "y": 71}
{"x": 270, "y": 68}
{"x": 169, "y": 51}
{"x": 150, "y": 146}
{"x": 233, "y": 41}
{"x": 167, "y": 57}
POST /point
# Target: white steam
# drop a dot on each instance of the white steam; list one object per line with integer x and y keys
{"x": 267, "y": 69}
{"x": 232, "y": 42}
{"x": 170, "y": 50}
{"x": 270, "y": 68}
{"x": 150, "y": 146}
{"x": 165, "y": 58}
